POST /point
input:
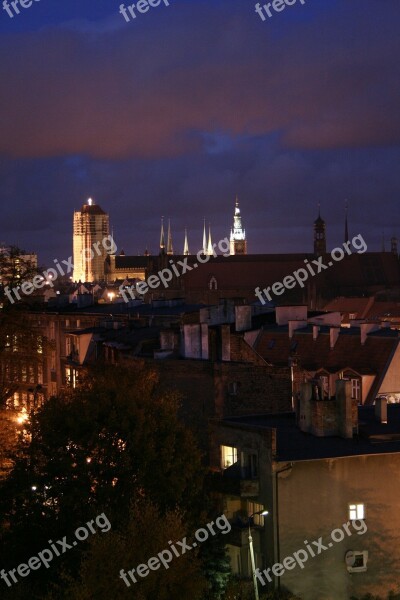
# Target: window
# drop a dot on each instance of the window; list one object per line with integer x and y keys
{"x": 352, "y": 316}
{"x": 254, "y": 507}
{"x": 325, "y": 385}
{"x": 356, "y": 389}
{"x": 356, "y": 511}
{"x": 233, "y": 388}
{"x": 71, "y": 375}
{"x": 356, "y": 561}
{"x": 249, "y": 465}
{"x": 213, "y": 285}
{"x": 229, "y": 456}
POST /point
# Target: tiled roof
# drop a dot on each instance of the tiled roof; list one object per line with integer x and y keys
{"x": 357, "y": 271}
{"x": 373, "y": 357}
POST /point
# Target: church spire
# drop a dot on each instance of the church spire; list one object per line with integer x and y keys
{"x": 209, "y": 246}
{"x": 186, "y": 245}
{"x": 238, "y": 243}
{"x": 170, "y": 249}
{"x": 162, "y": 237}
{"x": 204, "y": 239}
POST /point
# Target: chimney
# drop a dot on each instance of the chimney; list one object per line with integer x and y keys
{"x": 243, "y": 317}
{"x": 333, "y": 336}
{"x": 381, "y": 410}
{"x": 305, "y": 416}
{"x": 344, "y": 408}
{"x": 367, "y": 328}
{"x": 315, "y": 331}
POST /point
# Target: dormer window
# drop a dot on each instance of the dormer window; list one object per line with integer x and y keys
{"x": 213, "y": 284}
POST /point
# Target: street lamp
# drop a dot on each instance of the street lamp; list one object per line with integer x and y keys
{"x": 262, "y": 513}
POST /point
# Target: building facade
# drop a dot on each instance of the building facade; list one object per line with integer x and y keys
{"x": 91, "y": 227}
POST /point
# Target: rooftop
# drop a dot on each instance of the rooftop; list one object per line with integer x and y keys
{"x": 294, "y": 445}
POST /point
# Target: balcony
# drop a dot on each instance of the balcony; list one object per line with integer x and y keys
{"x": 236, "y": 481}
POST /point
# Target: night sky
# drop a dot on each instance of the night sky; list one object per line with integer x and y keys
{"x": 174, "y": 113}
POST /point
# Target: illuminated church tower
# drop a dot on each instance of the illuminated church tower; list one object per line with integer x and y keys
{"x": 238, "y": 243}
{"x": 91, "y": 226}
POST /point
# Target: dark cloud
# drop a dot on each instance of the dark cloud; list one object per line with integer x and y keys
{"x": 177, "y": 113}
{"x": 143, "y": 92}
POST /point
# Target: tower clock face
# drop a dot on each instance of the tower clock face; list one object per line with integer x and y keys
{"x": 239, "y": 248}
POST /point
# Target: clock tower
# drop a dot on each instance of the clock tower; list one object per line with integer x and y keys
{"x": 238, "y": 243}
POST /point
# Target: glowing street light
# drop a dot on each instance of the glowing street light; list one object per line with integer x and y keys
{"x": 262, "y": 513}
{"x": 22, "y": 417}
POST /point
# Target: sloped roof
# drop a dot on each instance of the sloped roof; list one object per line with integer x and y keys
{"x": 371, "y": 358}
{"x": 249, "y": 271}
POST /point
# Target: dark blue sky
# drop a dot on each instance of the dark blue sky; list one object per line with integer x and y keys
{"x": 176, "y": 112}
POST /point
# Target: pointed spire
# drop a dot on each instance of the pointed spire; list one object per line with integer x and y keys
{"x": 209, "y": 246}
{"x": 186, "y": 245}
{"x": 170, "y": 249}
{"x": 204, "y": 238}
{"x": 162, "y": 237}
{"x": 346, "y": 228}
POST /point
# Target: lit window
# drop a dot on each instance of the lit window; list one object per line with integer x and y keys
{"x": 356, "y": 511}
{"x": 252, "y": 508}
{"x": 229, "y": 456}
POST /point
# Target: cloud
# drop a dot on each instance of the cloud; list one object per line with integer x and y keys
{"x": 199, "y": 73}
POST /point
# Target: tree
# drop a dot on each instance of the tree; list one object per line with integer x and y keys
{"x": 146, "y": 535}
{"x": 112, "y": 442}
